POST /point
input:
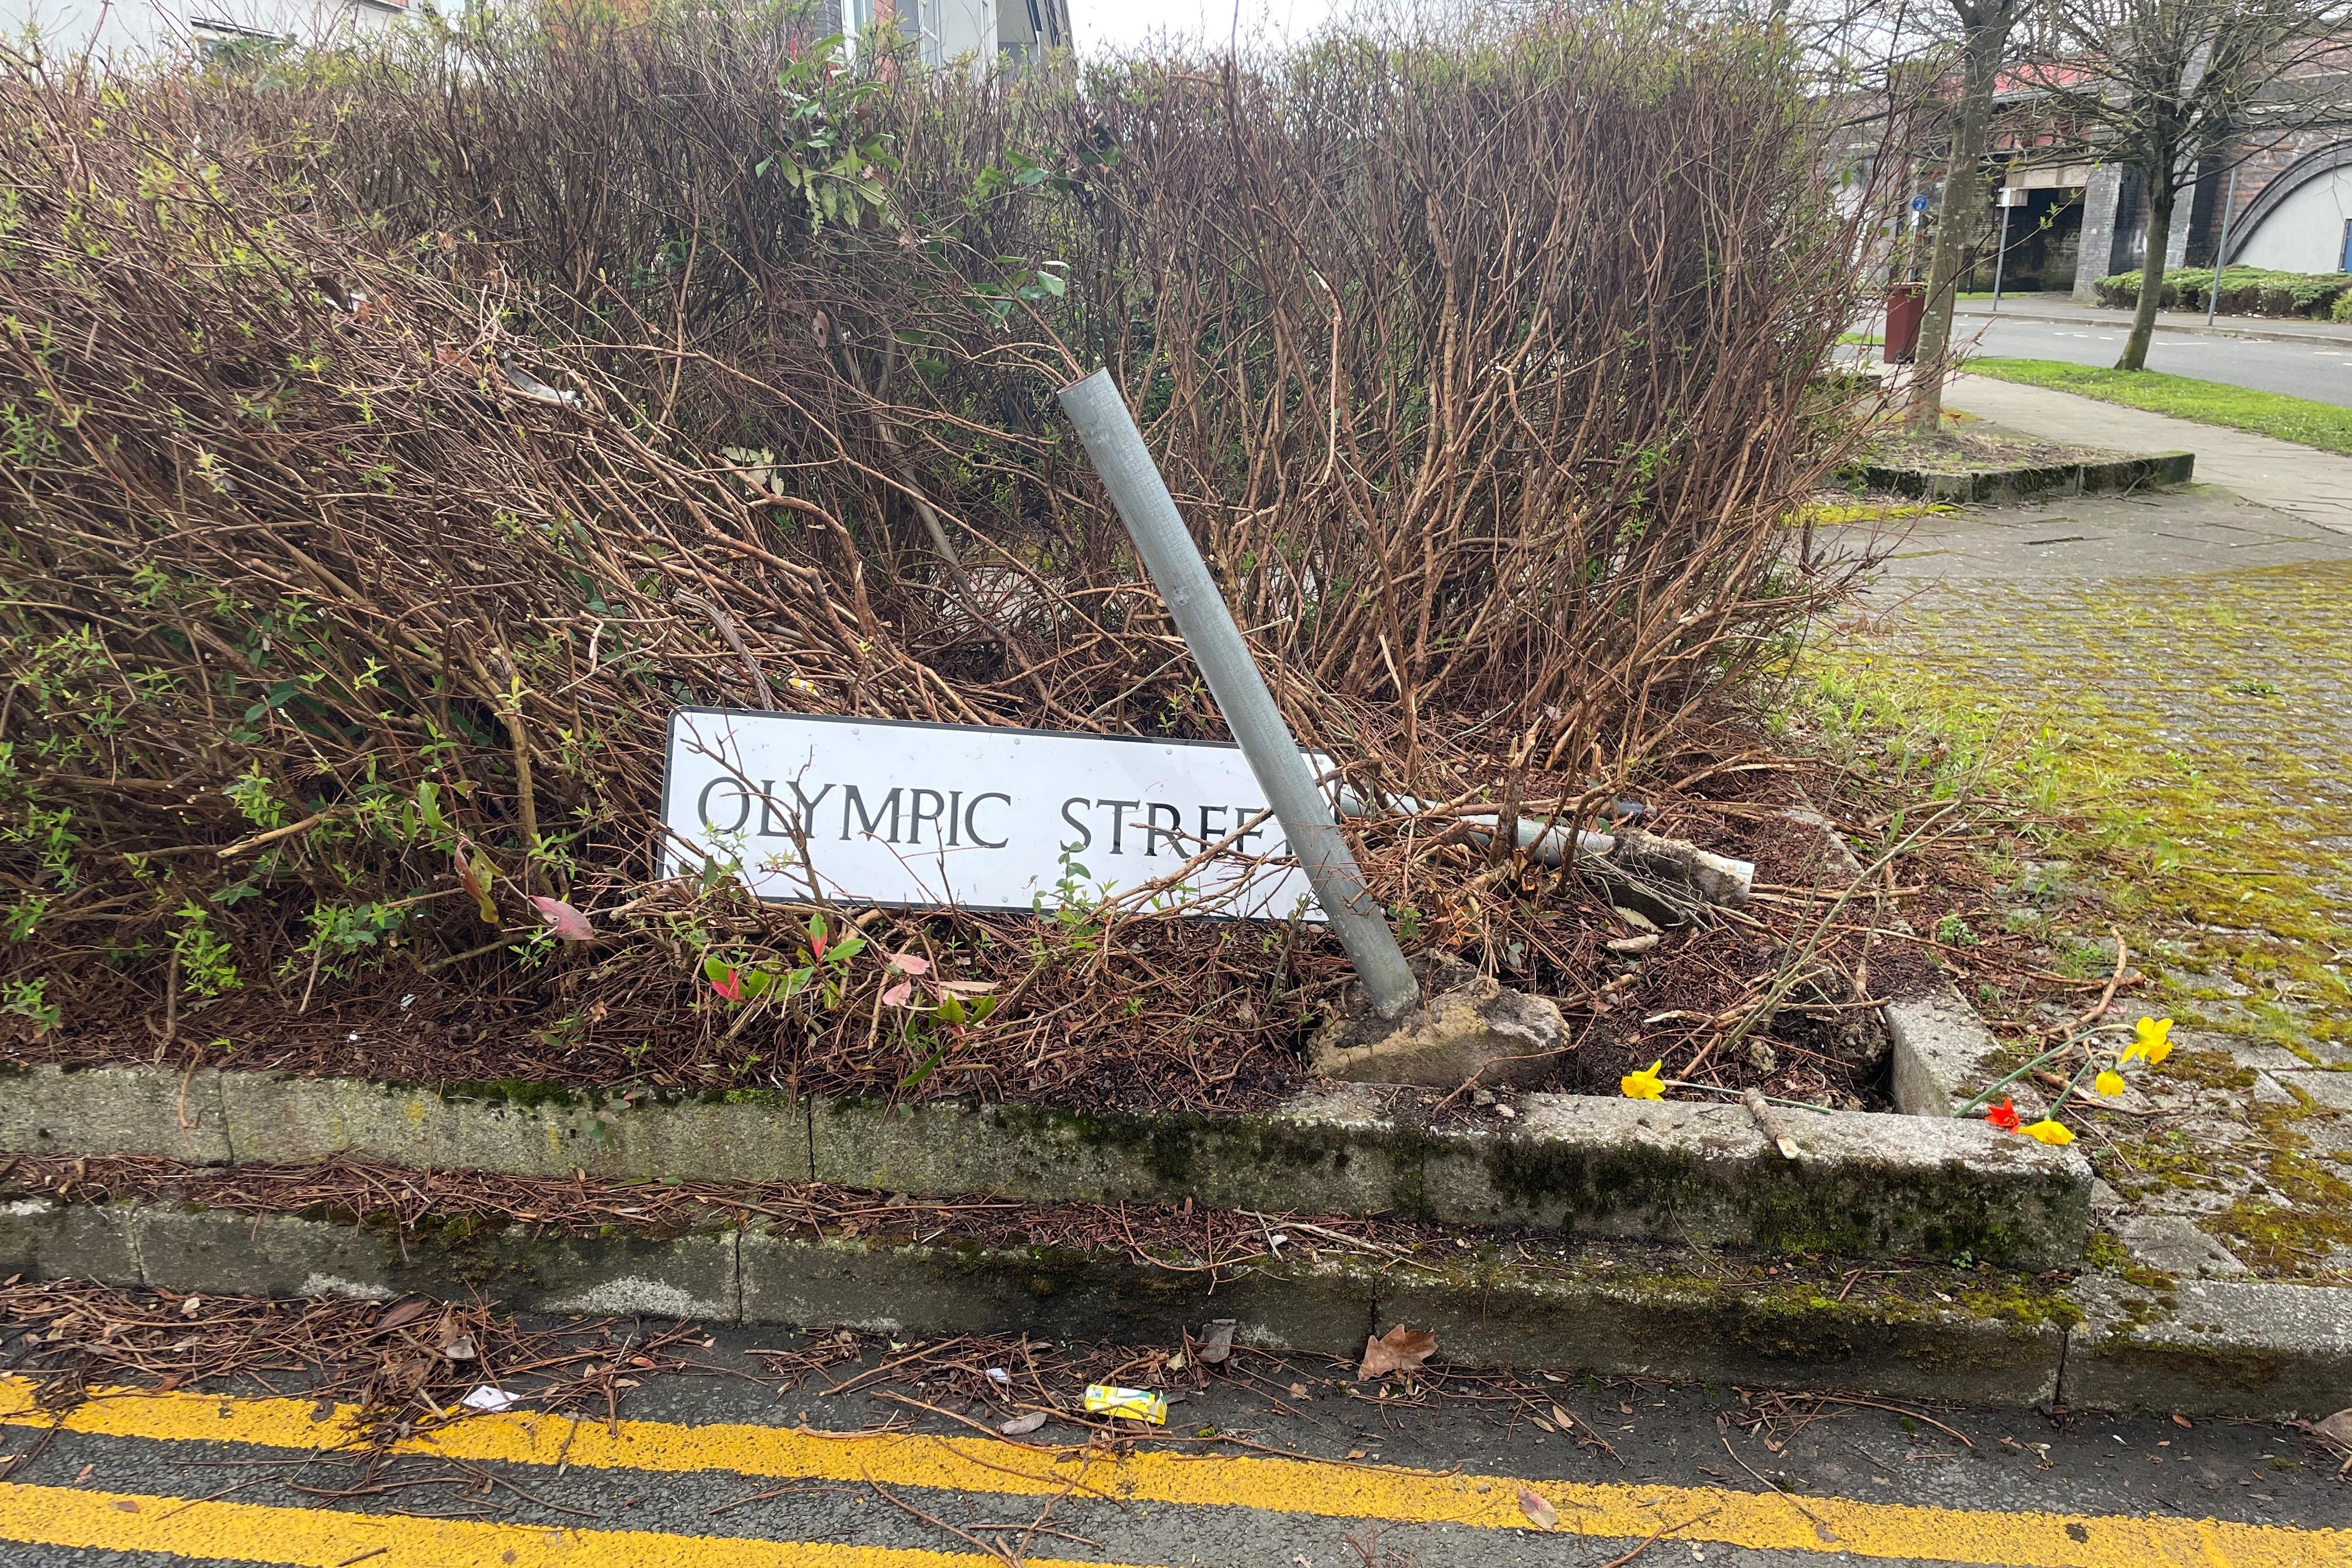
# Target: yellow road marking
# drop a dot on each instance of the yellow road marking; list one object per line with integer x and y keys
{"x": 321, "y": 1538}
{"x": 2030, "y": 1539}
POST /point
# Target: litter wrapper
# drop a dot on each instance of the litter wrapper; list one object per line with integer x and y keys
{"x": 1135, "y": 1404}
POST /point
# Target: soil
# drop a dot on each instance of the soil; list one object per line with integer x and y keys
{"x": 1221, "y": 1009}
{"x": 1974, "y": 444}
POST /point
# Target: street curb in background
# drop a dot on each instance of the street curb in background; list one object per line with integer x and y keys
{"x": 1982, "y": 486}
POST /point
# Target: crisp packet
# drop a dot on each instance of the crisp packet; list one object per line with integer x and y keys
{"x": 1135, "y": 1404}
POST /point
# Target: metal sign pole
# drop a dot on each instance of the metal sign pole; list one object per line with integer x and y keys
{"x": 2000, "y": 251}
{"x": 2222, "y": 250}
{"x": 1137, "y": 490}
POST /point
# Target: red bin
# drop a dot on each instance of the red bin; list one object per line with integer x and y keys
{"x": 1907, "y": 303}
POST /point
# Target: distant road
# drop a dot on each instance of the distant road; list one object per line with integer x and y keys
{"x": 2319, "y": 368}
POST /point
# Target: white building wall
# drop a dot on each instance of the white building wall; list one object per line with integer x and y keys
{"x": 129, "y": 31}
{"x": 2303, "y": 233}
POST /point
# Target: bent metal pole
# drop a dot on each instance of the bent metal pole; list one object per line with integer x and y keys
{"x": 1103, "y": 425}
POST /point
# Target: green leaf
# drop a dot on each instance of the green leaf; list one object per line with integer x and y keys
{"x": 715, "y": 968}
{"x": 844, "y": 950}
{"x": 950, "y": 1010}
{"x": 1052, "y": 285}
{"x": 756, "y": 982}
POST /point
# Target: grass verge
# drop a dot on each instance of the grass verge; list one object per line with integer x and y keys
{"x": 2326, "y": 426}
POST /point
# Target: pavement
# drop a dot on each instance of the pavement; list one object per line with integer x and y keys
{"x": 726, "y": 1471}
{"x": 2172, "y": 671}
{"x": 2313, "y": 486}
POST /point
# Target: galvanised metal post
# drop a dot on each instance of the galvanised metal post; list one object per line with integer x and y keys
{"x": 2222, "y": 249}
{"x": 1111, "y": 439}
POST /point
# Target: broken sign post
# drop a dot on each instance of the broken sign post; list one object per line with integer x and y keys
{"x": 1096, "y": 406}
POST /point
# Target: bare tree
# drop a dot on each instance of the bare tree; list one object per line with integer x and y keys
{"x": 2166, "y": 86}
{"x": 1984, "y": 28}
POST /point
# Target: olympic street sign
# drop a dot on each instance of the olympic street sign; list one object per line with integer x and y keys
{"x": 878, "y": 811}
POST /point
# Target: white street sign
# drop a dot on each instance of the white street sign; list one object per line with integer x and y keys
{"x": 2013, "y": 195}
{"x": 936, "y": 814}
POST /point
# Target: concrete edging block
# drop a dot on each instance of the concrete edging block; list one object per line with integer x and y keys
{"x": 525, "y": 1130}
{"x": 129, "y": 1109}
{"x": 1332, "y": 1151}
{"x": 1864, "y": 1184}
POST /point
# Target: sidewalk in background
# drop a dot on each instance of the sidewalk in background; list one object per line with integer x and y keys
{"x": 2312, "y": 485}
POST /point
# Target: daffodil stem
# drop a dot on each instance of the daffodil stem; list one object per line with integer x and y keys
{"x": 1986, "y": 1097}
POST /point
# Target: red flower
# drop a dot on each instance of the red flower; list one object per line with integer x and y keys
{"x": 730, "y": 987}
{"x": 2004, "y": 1116}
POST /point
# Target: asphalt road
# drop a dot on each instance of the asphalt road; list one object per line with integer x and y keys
{"x": 709, "y": 1472}
{"x": 2321, "y": 370}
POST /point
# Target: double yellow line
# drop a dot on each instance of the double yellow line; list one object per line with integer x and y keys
{"x": 1761, "y": 1520}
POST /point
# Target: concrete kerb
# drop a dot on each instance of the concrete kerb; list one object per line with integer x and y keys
{"x": 1622, "y": 1314}
{"x": 2222, "y": 1347}
{"x": 1862, "y": 1184}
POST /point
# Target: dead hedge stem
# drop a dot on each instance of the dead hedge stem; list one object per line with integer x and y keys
{"x": 396, "y": 435}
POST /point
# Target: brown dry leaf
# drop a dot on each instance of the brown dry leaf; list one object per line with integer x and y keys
{"x": 2180, "y": 1420}
{"x": 1399, "y": 1349}
{"x": 126, "y": 1505}
{"x": 1546, "y": 1426}
{"x": 1562, "y": 1419}
{"x": 1219, "y": 1344}
{"x": 1539, "y": 1509}
{"x": 1355, "y": 1453}
{"x": 1298, "y": 1391}
{"x": 401, "y": 1312}
{"x": 2335, "y": 1429}
{"x": 1021, "y": 1426}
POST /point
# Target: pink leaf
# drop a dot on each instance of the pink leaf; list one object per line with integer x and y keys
{"x": 730, "y": 986}
{"x": 908, "y": 963}
{"x": 897, "y": 995}
{"x": 966, "y": 987}
{"x": 564, "y": 920}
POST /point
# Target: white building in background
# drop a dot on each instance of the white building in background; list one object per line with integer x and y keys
{"x": 982, "y": 33}
{"x": 133, "y": 29}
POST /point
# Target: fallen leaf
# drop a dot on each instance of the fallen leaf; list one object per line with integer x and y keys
{"x": 1217, "y": 1345}
{"x": 568, "y": 923}
{"x": 966, "y": 987}
{"x": 192, "y": 1306}
{"x": 897, "y": 995}
{"x": 2335, "y": 1429}
{"x": 1539, "y": 1509}
{"x": 1562, "y": 1419}
{"x": 2180, "y": 1420}
{"x": 460, "y": 1348}
{"x": 400, "y": 1312}
{"x": 909, "y": 963}
{"x": 1298, "y": 1391}
{"x": 1546, "y": 1425}
{"x": 126, "y": 1505}
{"x": 1355, "y": 1453}
{"x": 1399, "y": 1349}
{"x": 1623, "y": 1408}
{"x": 1021, "y": 1426}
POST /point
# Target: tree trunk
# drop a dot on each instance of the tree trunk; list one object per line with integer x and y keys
{"x": 1962, "y": 207}
{"x": 2160, "y": 192}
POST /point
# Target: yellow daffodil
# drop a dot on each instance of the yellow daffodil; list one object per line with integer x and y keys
{"x": 2149, "y": 1043}
{"x": 2048, "y": 1131}
{"x": 2109, "y": 1084}
{"x": 1645, "y": 1084}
